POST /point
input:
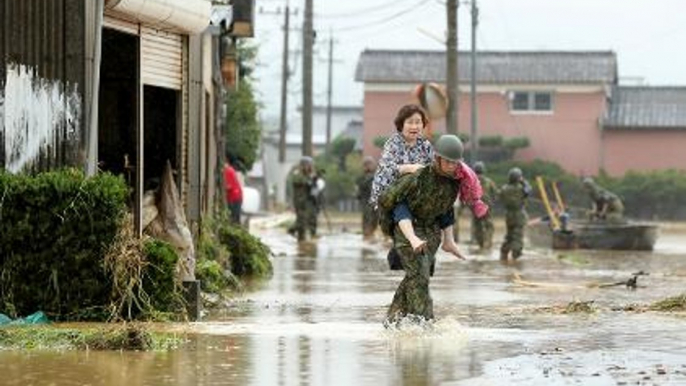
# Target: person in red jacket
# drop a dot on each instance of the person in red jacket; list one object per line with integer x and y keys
{"x": 233, "y": 190}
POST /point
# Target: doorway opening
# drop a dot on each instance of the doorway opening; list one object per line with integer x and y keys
{"x": 117, "y": 104}
{"x": 160, "y": 123}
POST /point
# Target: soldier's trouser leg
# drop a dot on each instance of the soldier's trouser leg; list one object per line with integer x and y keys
{"x": 478, "y": 232}
{"x": 488, "y": 232}
{"x": 456, "y": 226}
{"x": 299, "y": 226}
{"x": 412, "y": 296}
{"x": 517, "y": 243}
{"x": 506, "y": 246}
{"x": 369, "y": 221}
{"x": 311, "y": 220}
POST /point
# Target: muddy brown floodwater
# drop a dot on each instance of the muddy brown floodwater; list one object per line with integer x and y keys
{"x": 318, "y": 322}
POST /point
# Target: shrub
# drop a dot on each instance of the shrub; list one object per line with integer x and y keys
{"x": 249, "y": 256}
{"x": 160, "y": 281}
{"x": 67, "y": 248}
{"x": 490, "y": 141}
{"x": 515, "y": 143}
{"x": 54, "y": 230}
{"x": 213, "y": 265}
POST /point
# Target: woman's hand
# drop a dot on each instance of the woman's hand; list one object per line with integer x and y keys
{"x": 409, "y": 168}
{"x": 451, "y": 247}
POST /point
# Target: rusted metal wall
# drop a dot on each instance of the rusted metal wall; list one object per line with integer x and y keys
{"x": 42, "y": 44}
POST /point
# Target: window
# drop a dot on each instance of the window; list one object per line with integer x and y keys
{"x": 520, "y": 101}
{"x": 531, "y": 101}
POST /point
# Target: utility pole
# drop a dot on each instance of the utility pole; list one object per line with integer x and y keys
{"x": 284, "y": 88}
{"x": 329, "y": 92}
{"x": 474, "y": 148}
{"x": 451, "y": 68}
{"x": 308, "y": 43}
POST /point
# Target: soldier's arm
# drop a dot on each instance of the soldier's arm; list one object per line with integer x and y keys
{"x": 526, "y": 187}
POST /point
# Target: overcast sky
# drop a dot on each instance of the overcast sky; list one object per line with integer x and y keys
{"x": 649, "y": 37}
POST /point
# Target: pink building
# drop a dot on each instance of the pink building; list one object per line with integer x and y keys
{"x": 568, "y": 104}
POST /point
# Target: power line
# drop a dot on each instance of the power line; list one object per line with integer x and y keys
{"x": 381, "y": 30}
{"x": 358, "y": 12}
{"x": 383, "y": 20}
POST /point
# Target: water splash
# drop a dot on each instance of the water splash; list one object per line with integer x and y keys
{"x": 37, "y": 115}
{"x": 412, "y": 327}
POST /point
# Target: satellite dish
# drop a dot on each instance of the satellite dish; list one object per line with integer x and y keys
{"x": 433, "y": 98}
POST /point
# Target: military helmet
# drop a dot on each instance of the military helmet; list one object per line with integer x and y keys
{"x": 479, "y": 167}
{"x": 449, "y": 147}
{"x": 514, "y": 175}
{"x": 588, "y": 181}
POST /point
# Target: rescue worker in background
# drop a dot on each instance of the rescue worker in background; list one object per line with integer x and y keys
{"x": 303, "y": 185}
{"x": 605, "y": 204}
{"x": 514, "y": 196}
{"x": 233, "y": 190}
{"x": 483, "y": 226}
{"x": 370, "y": 219}
{"x": 424, "y": 198}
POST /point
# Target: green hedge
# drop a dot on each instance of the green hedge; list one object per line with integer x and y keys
{"x": 55, "y": 228}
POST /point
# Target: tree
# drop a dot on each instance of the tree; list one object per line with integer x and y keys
{"x": 243, "y": 129}
{"x": 340, "y": 148}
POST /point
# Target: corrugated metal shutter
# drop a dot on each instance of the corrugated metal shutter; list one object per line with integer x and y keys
{"x": 114, "y": 22}
{"x": 161, "y": 58}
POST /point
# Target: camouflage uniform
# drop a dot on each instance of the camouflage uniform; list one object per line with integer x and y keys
{"x": 305, "y": 205}
{"x": 602, "y": 198}
{"x": 370, "y": 218}
{"x": 514, "y": 195}
{"x": 429, "y": 195}
{"x": 483, "y": 227}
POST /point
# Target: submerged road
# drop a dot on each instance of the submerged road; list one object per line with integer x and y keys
{"x": 318, "y": 322}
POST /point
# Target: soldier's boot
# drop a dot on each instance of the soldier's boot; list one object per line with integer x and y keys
{"x": 516, "y": 254}
{"x": 503, "y": 253}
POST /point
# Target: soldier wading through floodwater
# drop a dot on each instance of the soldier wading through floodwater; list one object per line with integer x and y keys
{"x": 305, "y": 195}
{"x": 514, "y": 196}
{"x": 423, "y": 199}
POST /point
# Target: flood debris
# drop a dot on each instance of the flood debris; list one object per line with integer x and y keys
{"x": 580, "y": 307}
{"x": 631, "y": 283}
{"x": 124, "y": 337}
{"x": 573, "y": 307}
{"x": 674, "y": 303}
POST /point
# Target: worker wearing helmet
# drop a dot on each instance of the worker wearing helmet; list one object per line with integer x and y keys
{"x": 514, "y": 196}
{"x": 420, "y": 207}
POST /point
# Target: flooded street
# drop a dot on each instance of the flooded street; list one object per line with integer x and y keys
{"x": 318, "y": 322}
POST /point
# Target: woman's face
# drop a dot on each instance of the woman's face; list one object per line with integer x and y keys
{"x": 413, "y": 127}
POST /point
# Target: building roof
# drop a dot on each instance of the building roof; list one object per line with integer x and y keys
{"x": 646, "y": 107}
{"x": 493, "y": 67}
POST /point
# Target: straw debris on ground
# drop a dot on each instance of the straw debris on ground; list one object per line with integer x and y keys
{"x": 674, "y": 303}
{"x": 127, "y": 337}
